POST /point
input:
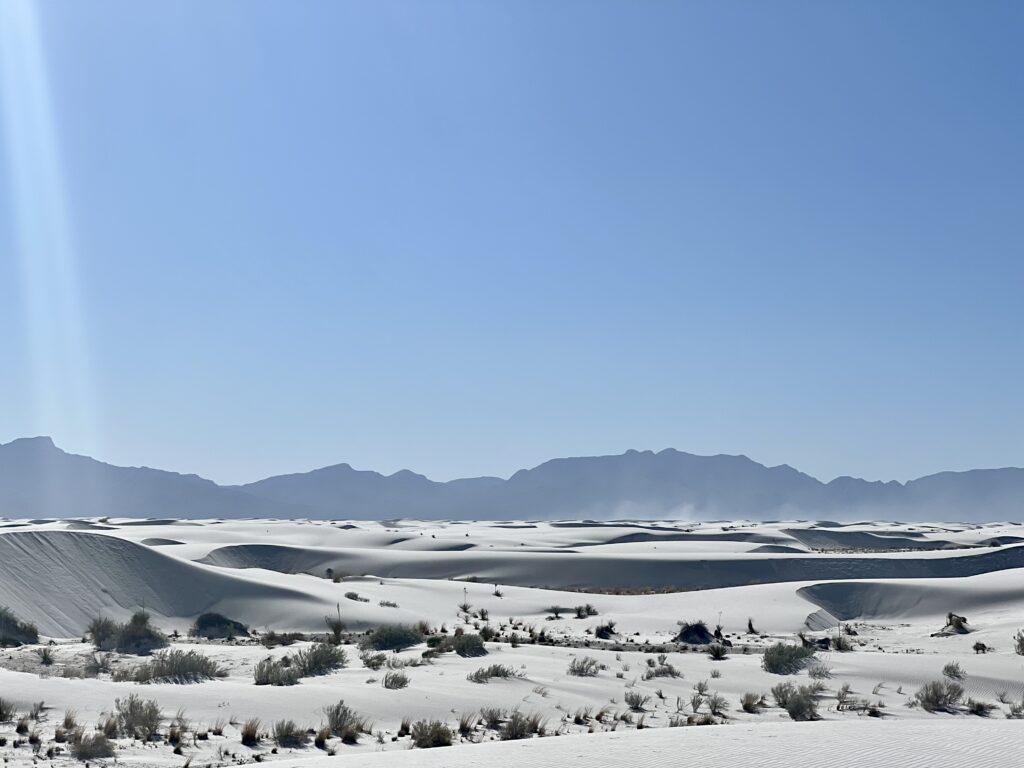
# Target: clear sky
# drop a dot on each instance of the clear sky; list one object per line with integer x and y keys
{"x": 245, "y": 238}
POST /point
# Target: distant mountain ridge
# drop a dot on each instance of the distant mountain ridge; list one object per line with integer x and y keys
{"x": 37, "y": 479}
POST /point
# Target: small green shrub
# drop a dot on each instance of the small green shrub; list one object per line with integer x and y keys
{"x": 395, "y": 680}
{"x": 214, "y": 626}
{"x": 271, "y": 672}
{"x": 427, "y": 734}
{"x": 468, "y": 645}
{"x": 319, "y": 659}
{"x": 288, "y": 734}
{"x": 394, "y": 637}
{"x": 584, "y": 666}
{"x": 939, "y": 696}
{"x": 783, "y": 659}
{"x": 14, "y": 631}
{"x": 137, "y": 719}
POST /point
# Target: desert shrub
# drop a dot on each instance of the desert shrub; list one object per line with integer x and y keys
{"x": 430, "y": 733}
{"x": 14, "y": 631}
{"x": 251, "y": 732}
{"x": 584, "y": 666}
{"x": 214, "y": 626}
{"x": 492, "y": 716}
{"x": 345, "y": 723}
{"x": 395, "y": 637}
{"x": 717, "y": 704}
{"x": 750, "y": 627}
{"x": 802, "y": 704}
{"x": 939, "y": 696}
{"x": 953, "y": 671}
{"x": 661, "y": 670}
{"x": 372, "y": 659}
{"x": 136, "y": 636}
{"x": 7, "y": 710}
{"x": 288, "y": 734}
{"x": 782, "y": 693}
{"x": 717, "y": 652}
{"x": 319, "y": 659}
{"x": 518, "y": 726}
{"x": 840, "y": 642}
{"x": 635, "y": 700}
{"x": 819, "y": 671}
{"x": 271, "y": 672}
{"x": 980, "y": 708}
{"x": 173, "y": 667}
{"x": 583, "y": 611}
{"x": 605, "y": 631}
{"x": 137, "y": 719}
{"x": 320, "y": 740}
{"x": 467, "y": 723}
{"x": 45, "y": 655}
{"x": 273, "y": 639}
{"x": 1018, "y": 643}
{"x": 484, "y": 674}
{"x": 783, "y": 659}
{"x": 102, "y": 631}
{"x": 752, "y": 703}
{"x": 91, "y": 747}
{"x": 355, "y": 596}
{"x": 98, "y": 662}
{"x": 394, "y": 680}
{"x": 387, "y": 604}
{"x": 468, "y": 646}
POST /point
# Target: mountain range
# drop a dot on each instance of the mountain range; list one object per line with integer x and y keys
{"x": 39, "y": 480}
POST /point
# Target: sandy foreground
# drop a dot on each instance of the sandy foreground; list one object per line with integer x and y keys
{"x": 890, "y": 585}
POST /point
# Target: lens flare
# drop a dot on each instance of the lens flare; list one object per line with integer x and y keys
{"x": 62, "y": 384}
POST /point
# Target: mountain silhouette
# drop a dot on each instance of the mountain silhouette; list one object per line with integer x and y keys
{"x": 39, "y": 480}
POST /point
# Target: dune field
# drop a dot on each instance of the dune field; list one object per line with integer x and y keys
{"x": 602, "y": 643}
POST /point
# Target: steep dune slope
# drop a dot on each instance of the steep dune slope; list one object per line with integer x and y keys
{"x": 61, "y": 580}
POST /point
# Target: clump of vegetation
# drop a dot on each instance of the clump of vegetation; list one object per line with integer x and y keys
{"x": 430, "y": 733}
{"x": 136, "y": 636}
{"x": 357, "y": 597}
{"x": 484, "y": 674}
{"x": 45, "y": 655}
{"x": 660, "y": 668}
{"x": 7, "y": 710}
{"x": 605, "y": 631}
{"x": 802, "y": 703}
{"x": 520, "y": 726}
{"x": 953, "y": 671}
{"x": 980, "y": 708}
{"x": 214, "y": 626}
{"x": 251, "y": 732}
{"x": 783, "y": 659}
{"x": 492, "y": 716}
{"x": 841, "y": 642}
{"x": 635, "y": 700}
{"x": 1018, "y": 643}
{"x": 752, "y": 703}
{"x": 583, "y": 611}
{"x": 817, "y": 670}
{"x": 86, "y": 747}
{"x": 319, "y": 659}
{"x": 345, "y": 723}
{"x": 287, "y": 734}
{"x": 584, "y": 666}
{"x": 137, "y": 719}
{"x": 14, "y": 631}
{"x": 394, "y": 637}
{"x": 271, "y": 672}
{"x": 273, "y": 639}
{"x": 173, "y": 667}
{"x": 468, "y": 645}
{"x": 395, "y": 680}
{"x": 372, "y": 659}
{"x": 717, "y": 652}
{"x": 939, "y": 696}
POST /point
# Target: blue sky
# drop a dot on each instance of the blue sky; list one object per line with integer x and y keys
{"x": 244, "y": 238}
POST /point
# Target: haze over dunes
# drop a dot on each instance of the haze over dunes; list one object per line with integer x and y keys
{"x": 37, "y": 479}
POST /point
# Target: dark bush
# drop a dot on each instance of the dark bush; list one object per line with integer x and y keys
{"x": 214, "y": 626}
{"x": 393, "y": 638}
{"x": 14, "y": 631}
{"x": 431, "y": 733}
